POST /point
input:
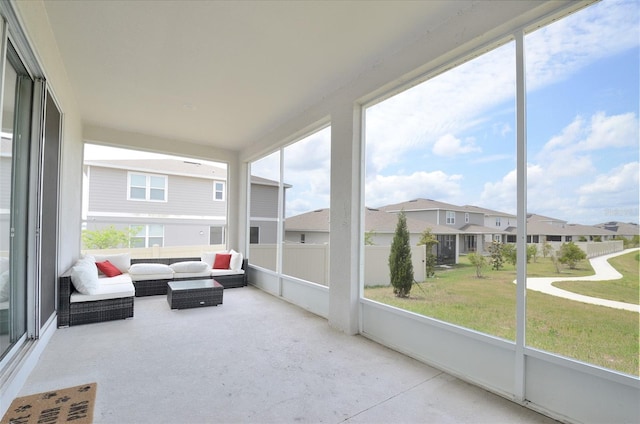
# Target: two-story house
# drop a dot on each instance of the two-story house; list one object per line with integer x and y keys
{"x": 469, "y": 222}
{"x": 171, "y": 202}
{"x": 263, "y": 219}
{"x": 168, "y": 202}
{"x": 313, "y": 227}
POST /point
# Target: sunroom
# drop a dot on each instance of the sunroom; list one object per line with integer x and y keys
{"x": 330, "y": 99}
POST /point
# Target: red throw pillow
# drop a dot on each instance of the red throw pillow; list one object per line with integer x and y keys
{"x": 222, "y": 261}
{"x": 108, "y": 269}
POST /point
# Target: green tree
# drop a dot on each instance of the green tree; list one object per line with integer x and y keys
{"x": 478, "y": 261}
{"x": 429, "y": 241}
{"x": 570, "y": 254}
{"x": 496, "y": 251}
{"x": 108, "y": 238}
{"x": 400, "y": 266}
{"x": 532, "y": 252}
{"x": 368, "y": 238}
{"x": 510, "y": 253}
{"x": 547, "y": 249}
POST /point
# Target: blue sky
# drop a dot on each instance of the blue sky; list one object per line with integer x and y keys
{"x": 452, "y": 137}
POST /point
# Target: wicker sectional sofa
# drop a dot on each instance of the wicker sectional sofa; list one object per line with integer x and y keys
{"x": 158, "y": 286}
{"x": 115, "y": 298}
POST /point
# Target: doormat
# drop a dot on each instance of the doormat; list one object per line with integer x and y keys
{"x": 70, "y": 405}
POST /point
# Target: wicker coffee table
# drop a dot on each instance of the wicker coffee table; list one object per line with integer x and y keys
{"x": 194, "y": 293}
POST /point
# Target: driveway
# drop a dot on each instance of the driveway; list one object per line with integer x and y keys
{"x": 603, "y": 272}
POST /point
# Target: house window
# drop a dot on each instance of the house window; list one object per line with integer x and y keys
{"x": 216, "y": 235}
{"x": 254, "y": 235}
{"x": 451, "y": 217}
{"x": 147, "y": 187}
{"x": 147, "y": 235}
{"x": 302, "y": 238}
{"x": 498, "y": 223}
{"x": 218, "y": 190}
{"x": 466, "y": 217}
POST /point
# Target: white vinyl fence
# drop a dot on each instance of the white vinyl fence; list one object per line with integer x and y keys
{"x": 311, "y": 262}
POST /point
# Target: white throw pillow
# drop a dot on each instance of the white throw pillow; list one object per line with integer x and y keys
{"x": 236, "y": 261}
{"x": 189, "y": 266}
{"x": 4, "y": 286}
{"x": 209, "y": 257}
{"x": 122, "y": 261}
{"x": 84, "y": 276}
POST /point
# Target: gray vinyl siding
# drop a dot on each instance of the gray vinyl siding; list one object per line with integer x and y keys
{"x": 268, "y": 230}
{"x": 432, "y": 217}
{"x": 175, "y": 234}
{"x": 264, "y": 201}
{"x": 185, "y": 195}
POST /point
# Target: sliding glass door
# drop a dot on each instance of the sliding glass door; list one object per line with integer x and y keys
{"x": 17, "y": 98}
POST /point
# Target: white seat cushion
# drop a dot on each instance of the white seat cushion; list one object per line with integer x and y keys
{"x": 106, "y": 291}
{"x": 149, "y": 271}
{"x": 118, "y": 279}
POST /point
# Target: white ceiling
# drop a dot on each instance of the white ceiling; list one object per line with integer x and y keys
{"x": 223, "y": 73}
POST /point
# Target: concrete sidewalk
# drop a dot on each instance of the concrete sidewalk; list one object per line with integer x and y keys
{"x": 603, "y": 272}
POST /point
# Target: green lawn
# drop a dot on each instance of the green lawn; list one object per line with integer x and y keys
{"x": 595, "y": 334}
{"x": 626, "y": 289}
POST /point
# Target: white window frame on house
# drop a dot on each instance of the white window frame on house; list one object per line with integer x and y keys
{"x": 466, "y": 217}
{"x": 498, "y": 221}
{"x": 146, "y": 234}
{"x": 147, "y": 187}
{"x": 219, "y": 188}
{"x": 450, "y": 217}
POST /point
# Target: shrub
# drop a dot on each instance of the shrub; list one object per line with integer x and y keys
{"x": 496, "y": 252}
{"x": 478, "y": 261}
{"x": 510, "y": 254}
{"x": 400, "y": 266}
{"x": 532, "y": 252}
{"x": 570, "y": 254}
{"x": 547, "y": 249}
{"x": 108, "y": 238}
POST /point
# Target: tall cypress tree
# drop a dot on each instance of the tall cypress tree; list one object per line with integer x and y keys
{"x": 400, "y": 265}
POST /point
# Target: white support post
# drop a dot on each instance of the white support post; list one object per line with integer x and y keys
{"x": 346, "y": 218}
{"x": 521, "y": 242}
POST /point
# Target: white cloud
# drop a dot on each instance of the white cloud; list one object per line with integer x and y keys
{"x": 571, "y": 178}
{"x": 501, "y": 195}
{"x": 384, "y": 190}
{"x": 620, "y": 181}
{"x": 450, "y": 146}
{"x": 611, "y": 131}
{"x": 555, "y": 52}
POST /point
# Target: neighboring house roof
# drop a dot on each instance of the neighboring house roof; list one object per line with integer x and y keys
{"x": 621, "y": 228}
{"x": 480, "y": 229}
{"x": 267, "y": 182}
{"x": 544, "y": 228}
{"x": 533, "y": 217}
{"x": 166, "y": 166}
{"x": 487, "y": 212}
{"x": 422, "y": 205}
{"x": 375, "y": 220}
{"x": 190, "y": 168}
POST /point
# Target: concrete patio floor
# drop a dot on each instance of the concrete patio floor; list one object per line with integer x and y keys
{"x": 254, "y": 359}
